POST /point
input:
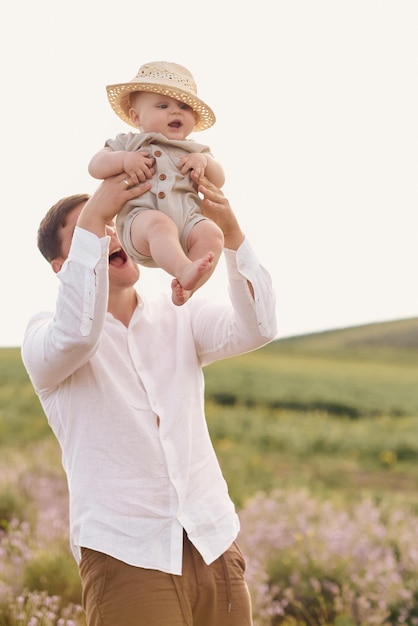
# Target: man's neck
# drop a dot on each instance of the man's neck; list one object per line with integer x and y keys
{"x": 122, "y": 305}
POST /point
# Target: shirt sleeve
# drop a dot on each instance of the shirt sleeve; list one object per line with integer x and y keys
{"x": 119, "y": 142}
{"x": 57, "y": 344}
{"x": 244, "y": 264}
{"x": 249, "y": 322}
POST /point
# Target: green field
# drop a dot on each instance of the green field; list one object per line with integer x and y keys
{"x": 333, "y": 413}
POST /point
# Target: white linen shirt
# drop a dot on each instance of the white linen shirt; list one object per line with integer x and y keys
{"x": 127, "y": 406}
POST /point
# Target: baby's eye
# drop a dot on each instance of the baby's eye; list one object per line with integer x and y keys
{"x": 185, "y": 106}
{"x": 162, "y": 106}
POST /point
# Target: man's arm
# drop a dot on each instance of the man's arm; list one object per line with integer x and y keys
{"x": 251, "y": 321}
{"x": 217, "y": 208}
{"x": 56, "y": 345}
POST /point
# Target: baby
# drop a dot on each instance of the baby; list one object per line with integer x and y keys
{"x": 165, "y": 227}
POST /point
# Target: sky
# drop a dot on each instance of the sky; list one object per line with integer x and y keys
{"x": 317, "y": 130}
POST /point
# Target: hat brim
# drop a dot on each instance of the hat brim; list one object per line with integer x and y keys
{"x": 119, "y": 98}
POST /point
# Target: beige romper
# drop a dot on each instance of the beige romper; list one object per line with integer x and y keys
{"x": 172, "y": 193}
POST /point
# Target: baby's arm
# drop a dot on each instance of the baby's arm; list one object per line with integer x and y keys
{"x": 214, "y": 172}
{"x": 203, "y": 165}
{"x": 107, "y": 162}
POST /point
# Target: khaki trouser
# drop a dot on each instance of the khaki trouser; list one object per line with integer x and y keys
{"x": 117, "y": 594}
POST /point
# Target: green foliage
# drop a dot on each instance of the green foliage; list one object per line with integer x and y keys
{"x": 263, "y": 449}
{"x": 54, "y": 572}
{"x": 12, "y": 505}
{"x": 21, "y": 417}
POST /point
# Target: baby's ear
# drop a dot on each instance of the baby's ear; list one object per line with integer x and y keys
{"x": 134, "y": 117}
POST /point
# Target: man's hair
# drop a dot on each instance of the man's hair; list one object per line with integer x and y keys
{"x": 49, "y": 239}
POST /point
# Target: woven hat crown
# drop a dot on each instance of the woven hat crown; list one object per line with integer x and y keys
{"x": 170, "y": 74}
{"x": 162, "y": 77}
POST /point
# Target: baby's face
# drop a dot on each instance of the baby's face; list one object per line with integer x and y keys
{"x": 154, "y": 113}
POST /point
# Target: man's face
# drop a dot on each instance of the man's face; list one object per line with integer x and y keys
{"x": 123, "y": 272}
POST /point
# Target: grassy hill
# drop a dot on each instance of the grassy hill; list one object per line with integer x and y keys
{"x": 396, "y": 340}
{"x": 359, "y": 371}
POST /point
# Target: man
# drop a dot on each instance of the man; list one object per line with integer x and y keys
{"x": 120, "y": 380}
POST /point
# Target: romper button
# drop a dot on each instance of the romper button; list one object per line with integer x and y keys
{"x": 162, "y": 177}
{"x": 161, "y": 195}
{"x": 157, "y": 153}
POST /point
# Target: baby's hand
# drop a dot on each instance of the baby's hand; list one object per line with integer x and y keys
{"x": 138, "y": 166}
{"x": 194, "y": 161}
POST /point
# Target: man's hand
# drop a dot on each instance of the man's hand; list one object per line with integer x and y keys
{"x": 107, "y": 201}
{"x": 218, "y": 209}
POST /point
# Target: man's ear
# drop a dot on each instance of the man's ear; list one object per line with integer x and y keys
{"x": 56, "y": 265}
{"x": 134, "y": 117}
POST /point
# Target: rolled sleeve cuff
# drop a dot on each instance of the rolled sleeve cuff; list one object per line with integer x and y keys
{"x": 244, "y": 262}
{"x": 87, "y": 249}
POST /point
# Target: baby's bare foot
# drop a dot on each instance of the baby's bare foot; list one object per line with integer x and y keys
{"x": 179, "y": 295}
{"x": 196, "y": 273}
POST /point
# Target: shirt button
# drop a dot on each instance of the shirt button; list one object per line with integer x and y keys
{"x": 157, "y": 153}
{"x": 161, "y": 195}
{"x": 162, "y": 177}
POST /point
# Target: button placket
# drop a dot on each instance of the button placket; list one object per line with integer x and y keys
{"x": 161, "y": 176}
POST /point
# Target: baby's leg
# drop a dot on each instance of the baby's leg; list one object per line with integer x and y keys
{"x": 155, "y": 235}
{"x": 204, "y": 236}
{"x": 205, "y": 244}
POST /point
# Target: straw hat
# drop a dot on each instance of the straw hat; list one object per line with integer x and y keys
{"x": 168, "y": 79}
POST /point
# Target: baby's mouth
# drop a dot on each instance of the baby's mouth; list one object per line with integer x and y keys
{"x": 175, "y": 124}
